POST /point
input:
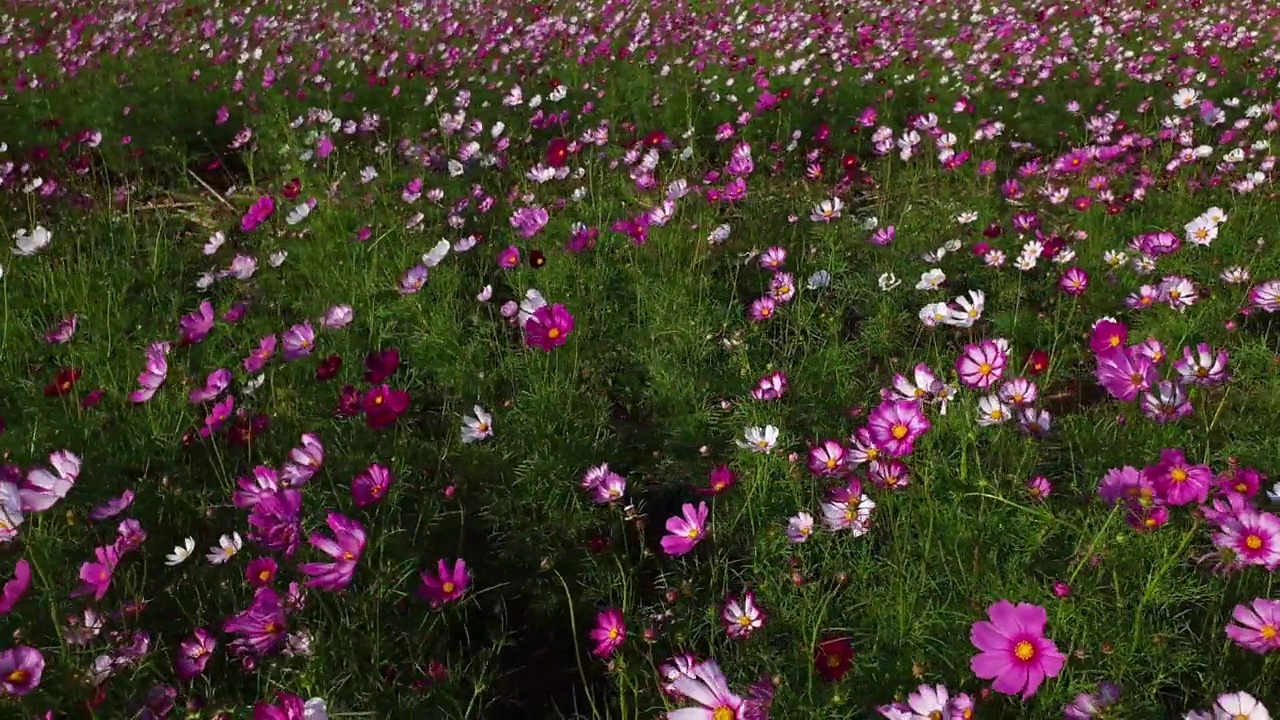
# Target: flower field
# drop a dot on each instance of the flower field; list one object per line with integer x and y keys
{"x": 622, "y": 360}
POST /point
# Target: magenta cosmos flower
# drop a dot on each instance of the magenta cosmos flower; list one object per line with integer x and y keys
{"x": 345, "y": 547}
{"x": 1259, "y": 626}
{"x": 895, "y": 426}
{"x": 1015, "y": 654}
{"x": 548, "y": 327}
{"x": 609, "y": 632}
{"x": 20, "y": 670}
{"x": 686, "y": 530}
{"x": 445, "y": 585}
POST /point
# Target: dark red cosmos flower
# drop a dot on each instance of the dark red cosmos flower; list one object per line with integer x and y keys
{"x": 348, "y": 402}
{"x": 292, "y": 188}
{"x": 92, "y": 399}
{"x": 558, "y": 152}
{"x": 832, "y": 658}
{"x": 382, "y": 406}
{"x": 380, "y": 365}
{"x": 246, "y": 428}
{"x": 62, "y": 383}
{"x": 1037, "y": 362}
{"x": 537, "y": 259}
{"x": 328, "y": 367}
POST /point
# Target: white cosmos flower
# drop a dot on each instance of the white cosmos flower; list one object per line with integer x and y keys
{"x": 215, "y": 241}
{"x": 819, "y": 280}
{"x": 931, "y": 279}
{"x": 888, "y": 281}
{"x": 934, "y": 313}
{"x": 475, "y": 429}
{"x": 30, "y": 243}
{"x": 760, "y": 439}
{"x": 277, "y": 258}
{"x": 315, "y": 709}
{"x": 10, "y": 512}
{"x": 181, "y": 552}
{"x": 432, "y": 257}
{"x": 298, "y": 214}
{"x": 227, "y": 547}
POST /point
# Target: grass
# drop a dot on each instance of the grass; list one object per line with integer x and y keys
{"x": 655, "y": 377}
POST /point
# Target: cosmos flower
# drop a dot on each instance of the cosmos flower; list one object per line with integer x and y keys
{"x": 1013, "y": 651}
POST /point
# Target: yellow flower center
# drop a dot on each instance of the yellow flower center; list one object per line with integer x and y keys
{"x": 1253, "y": 542}
{"x": 378, "y": 399}
{"x": 766, "y": 311}
{"x": 271, "y": 628}
{"x": 1178, "y": 475}
{"x": 1114, "y": 341}
{"x": 984, "y": 369}
{"x": 348, "y": 555}
{"x": 448, "y": 588}
{"x": 1241, "y": 488}
{"x": 18, "y": 677}
{"x": 833, "y": 661}
{"x": 872, "y": 454}
{"x": 1268, "y": 632}
{"x": 1136, "y": 378}
{"x": 831, "y": 463}
{"x": 613, "y": 633}
{"x": 1024, "y": 651}
{"x": 899, "y": 431}
{"x": 265, "y": 575}
{"x": 553, "y": 333}
{"x": 693, "y": 533}
{"x": 997, "y": 414}
{"x": 744, "y": 620}
{"x": 722, "y": 713}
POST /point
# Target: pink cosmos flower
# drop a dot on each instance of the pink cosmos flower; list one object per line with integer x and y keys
{"x": 154, "y": 373}
{"x": 62, "y": 332}
{"x": 509, "y": 258}
{"x": 609, "y": 632}
{"x": 214, "y": 385}
{"x": 20, "y": 670}
{"x": 1013, "y": 649}
{"x": 194, "y": 654}
{"x": 895, "y": 425}
{"x": 345, "y": 547}
{"x": 549, "y": 327}
{"x": 709, "y": 688}
{"x": 17, "y": 587}
{"x": 43, "y": 489}
{"x": 1259, "y": 626}
{"x": 827, "y": 459}
{"x": 195, "y": 326}
{"x": 445, "y": 585}
{"x": 257, "y": 214}
{"x": 298, "y": 341}
{"x": 370, "y": 486}
{"x": 982, "y": 365}
{"x": 686, "y": 530}
{"x": 1125, "y": 374}
{"x": 529, "y": 221}
{"x": 1252, "y": 536}
{"x": 743, "y": 617}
